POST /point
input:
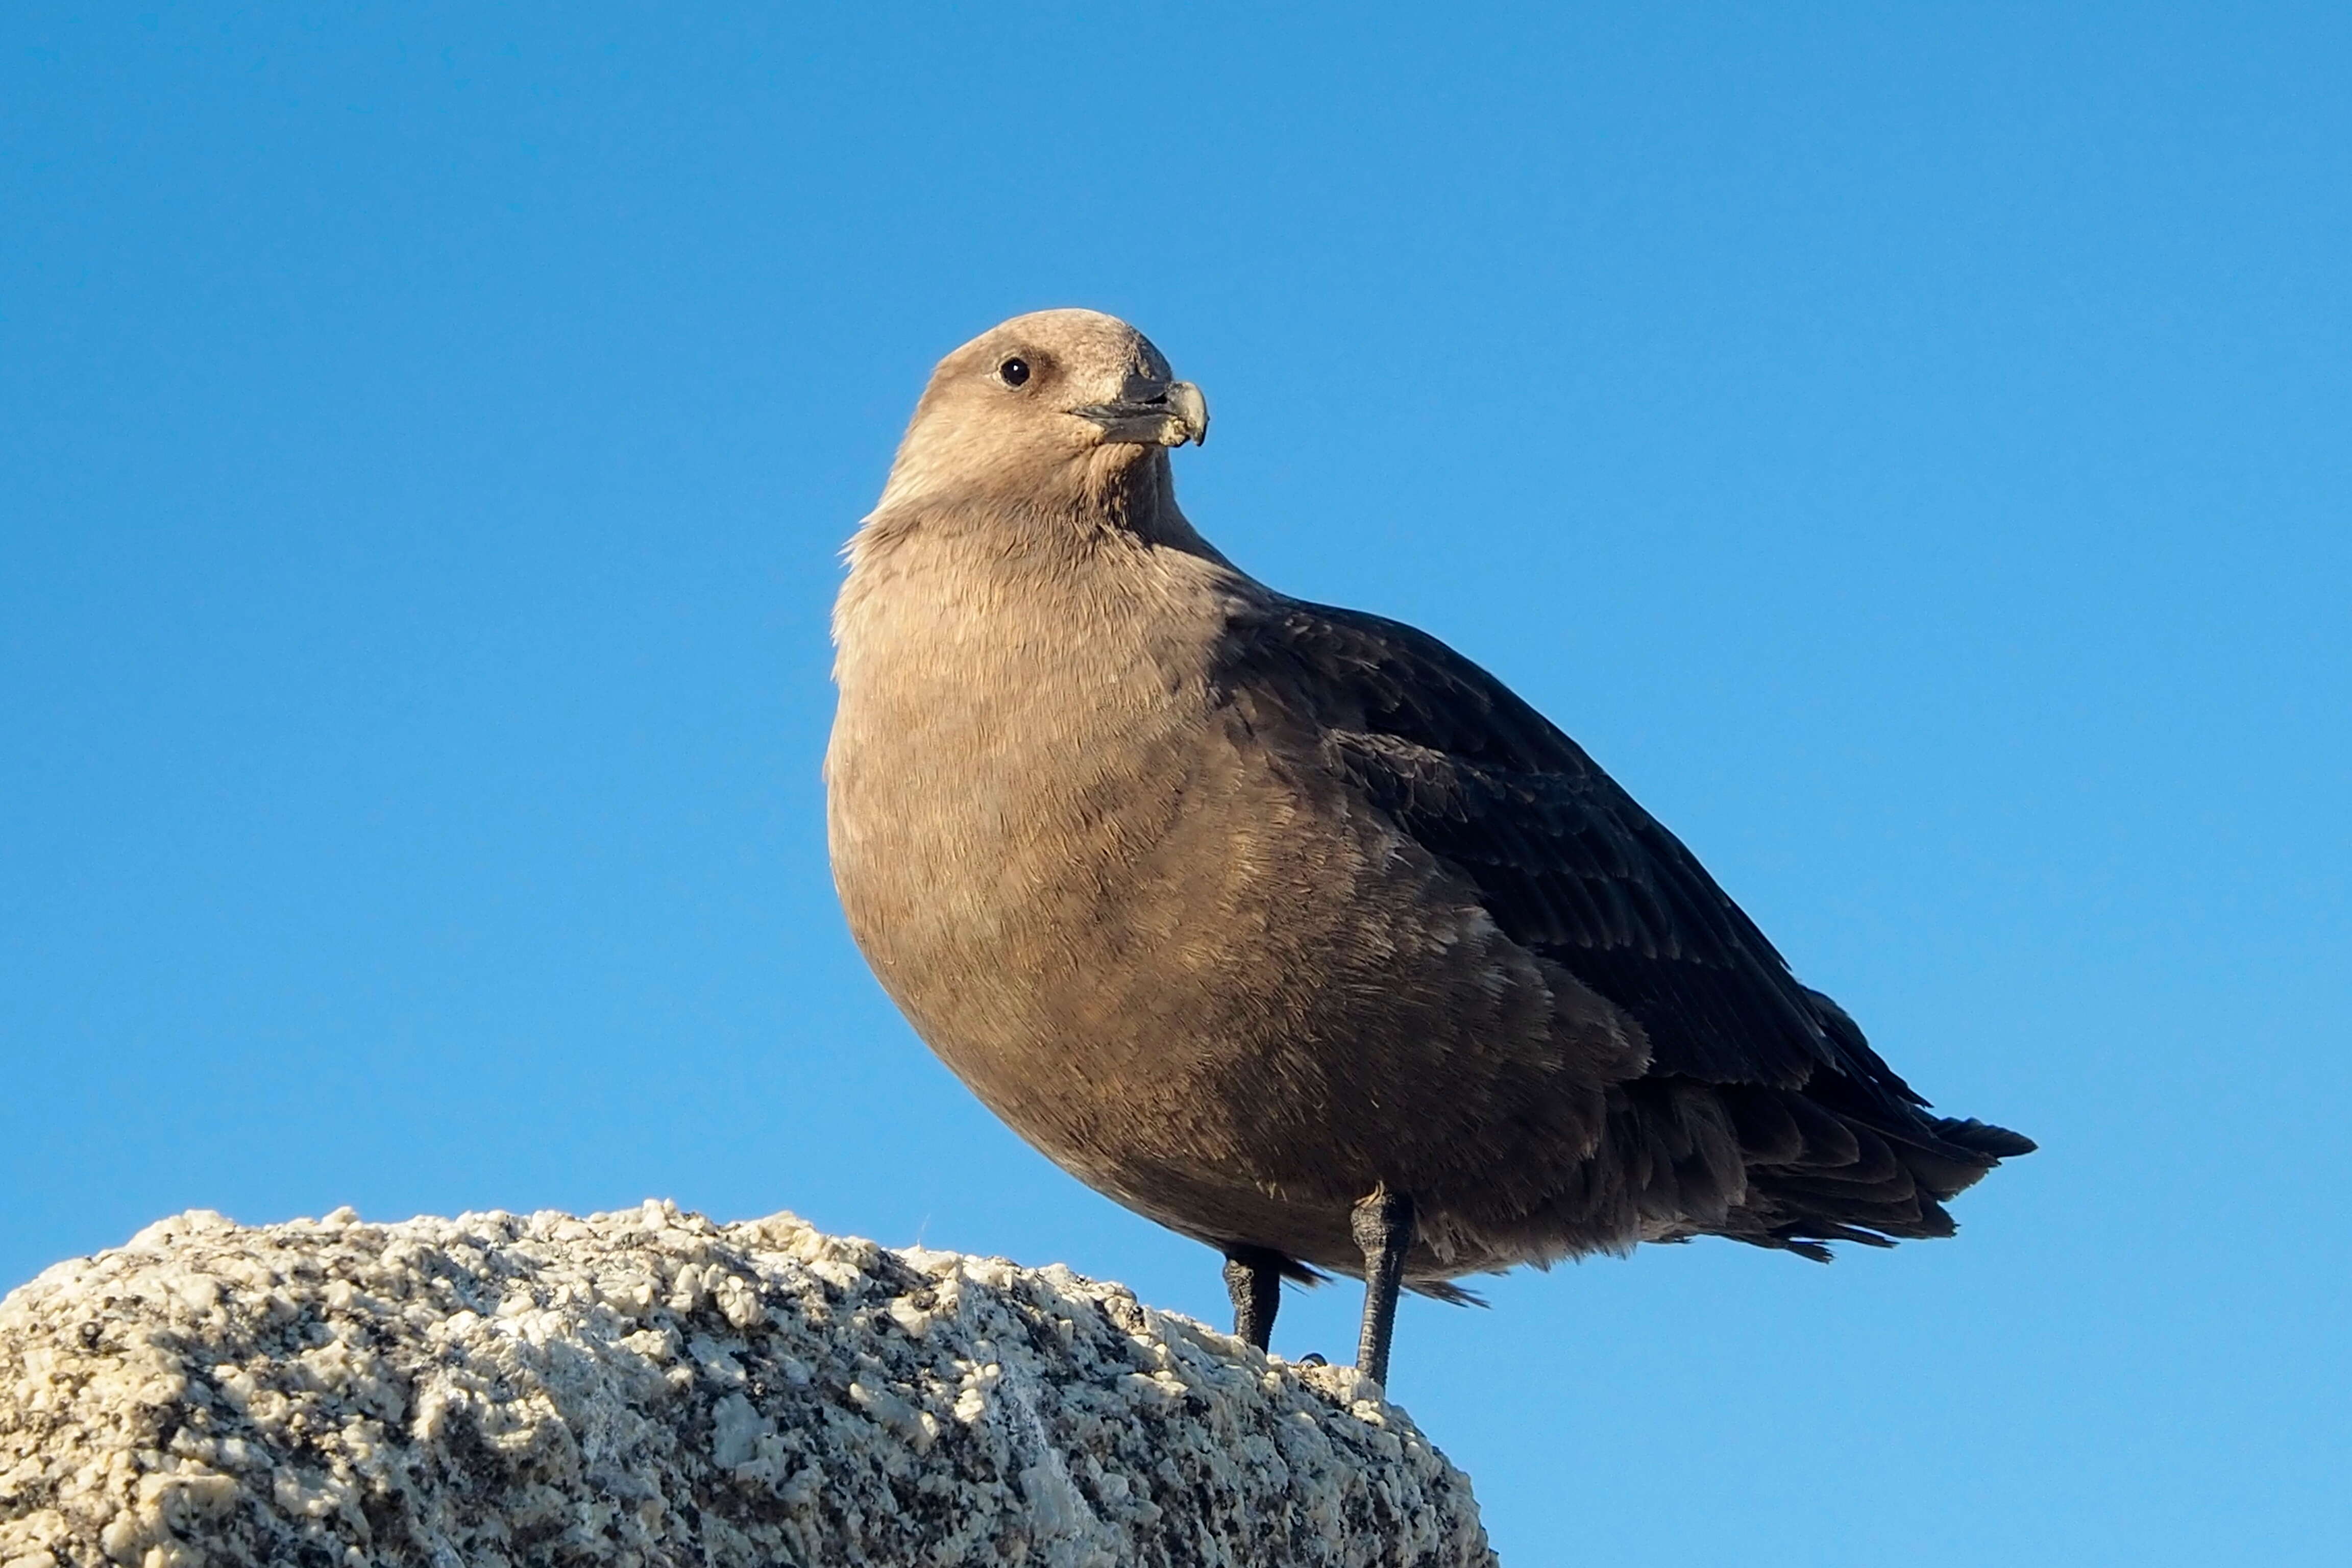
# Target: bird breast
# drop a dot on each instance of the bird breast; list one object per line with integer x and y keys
{"x": 1010, "y": 763}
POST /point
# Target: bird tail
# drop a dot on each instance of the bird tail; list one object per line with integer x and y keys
{"x": 1856, "y": 1170}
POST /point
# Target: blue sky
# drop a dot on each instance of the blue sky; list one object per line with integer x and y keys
{"x": 1907, "y": 446}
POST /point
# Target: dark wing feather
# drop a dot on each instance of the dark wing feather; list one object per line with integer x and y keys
{"x": 1565, "y": 860}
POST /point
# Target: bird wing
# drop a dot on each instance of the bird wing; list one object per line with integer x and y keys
{"x": 1565, "y": 862}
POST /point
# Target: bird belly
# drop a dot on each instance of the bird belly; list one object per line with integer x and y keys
{"x": 1211, "y": 989}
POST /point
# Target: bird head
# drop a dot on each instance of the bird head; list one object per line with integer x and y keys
{"x": 1048, "y": 407}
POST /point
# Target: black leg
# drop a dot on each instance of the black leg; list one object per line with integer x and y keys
{"x": 1382, "y": 1225}
{"x": 1254, "y": 1279}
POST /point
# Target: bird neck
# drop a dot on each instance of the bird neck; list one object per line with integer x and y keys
{"x": 1113, "y": 502}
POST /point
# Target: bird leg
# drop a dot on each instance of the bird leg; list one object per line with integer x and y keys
{"x": 1254, "y": 1280}
{"x": 1383, "y": 1226}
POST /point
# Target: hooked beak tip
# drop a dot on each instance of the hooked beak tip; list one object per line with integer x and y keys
{"x": 1191, "y": 411}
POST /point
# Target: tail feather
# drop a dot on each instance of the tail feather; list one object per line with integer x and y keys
{"x": 1856, "y": 1169}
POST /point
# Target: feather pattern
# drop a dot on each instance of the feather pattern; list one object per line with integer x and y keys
{"x": 1570, "y": 867}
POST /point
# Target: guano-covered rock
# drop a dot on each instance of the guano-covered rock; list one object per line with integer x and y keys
{"x": 648, "y": 1388}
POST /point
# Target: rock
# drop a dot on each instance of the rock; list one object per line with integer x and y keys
{"x": 650, "y": 1388}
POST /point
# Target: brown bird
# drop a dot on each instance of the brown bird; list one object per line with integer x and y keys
{"x": 1287, "y": 926}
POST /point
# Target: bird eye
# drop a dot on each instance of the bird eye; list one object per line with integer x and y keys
{"x": 1013, "y": 372}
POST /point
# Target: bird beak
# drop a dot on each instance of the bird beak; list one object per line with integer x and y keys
{"x": 1169, "y": 418}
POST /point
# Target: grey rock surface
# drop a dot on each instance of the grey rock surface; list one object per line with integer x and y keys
{"x": 647, "y": 1387}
